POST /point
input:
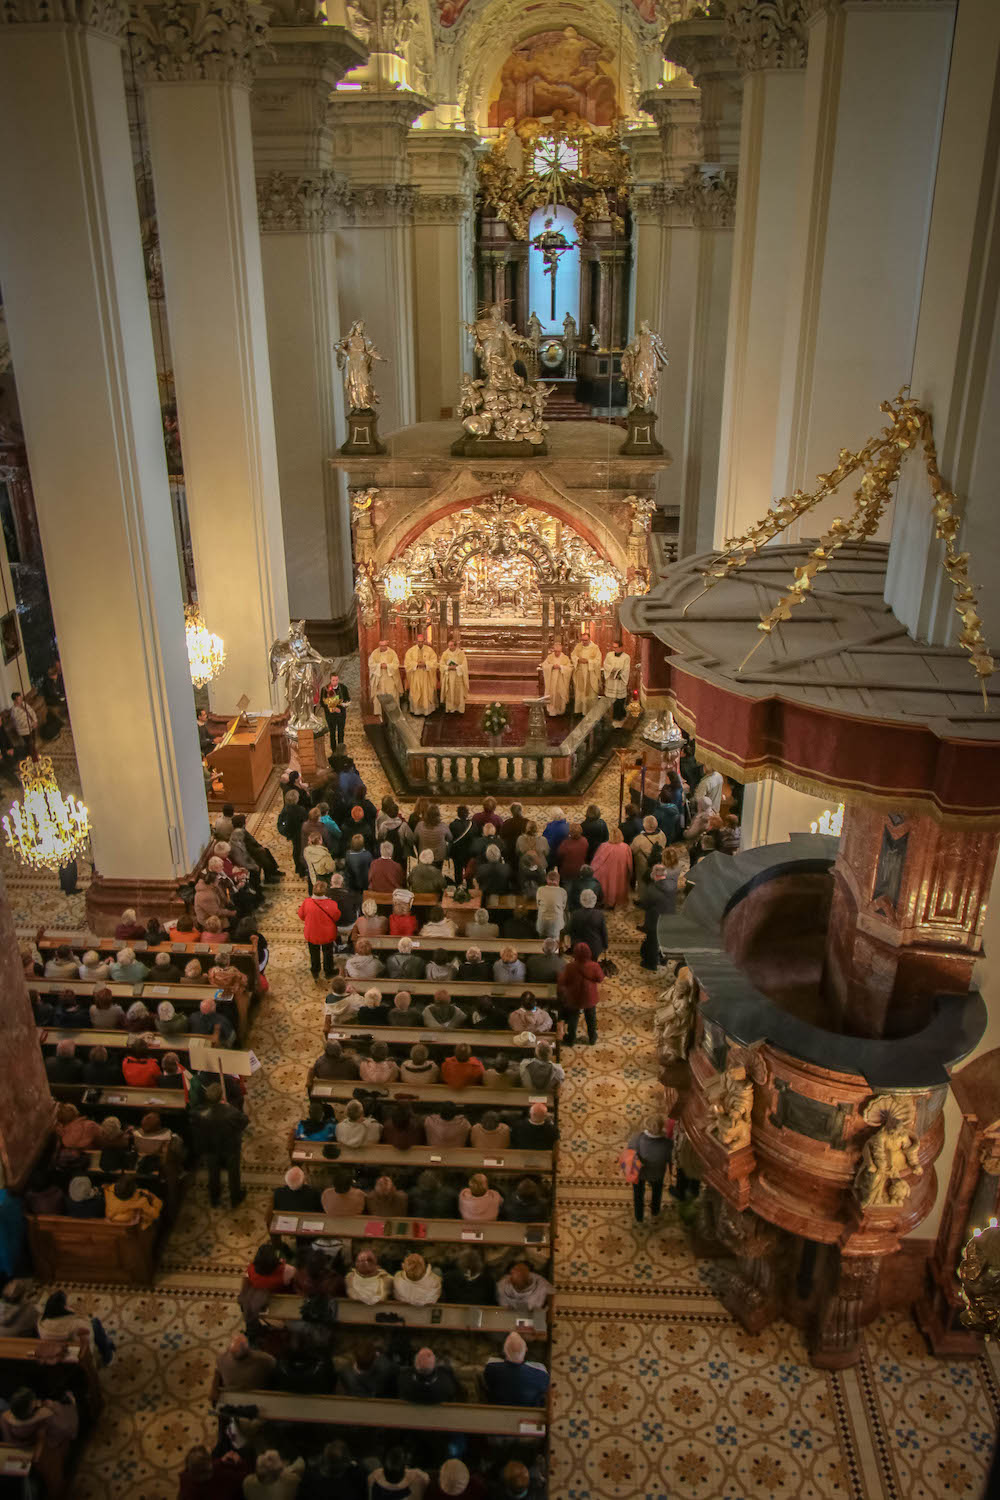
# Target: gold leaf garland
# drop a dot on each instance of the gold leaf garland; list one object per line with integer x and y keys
{"x": 881, "y": 459}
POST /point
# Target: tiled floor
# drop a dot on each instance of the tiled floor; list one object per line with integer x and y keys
{"x": 657, "y": 1392}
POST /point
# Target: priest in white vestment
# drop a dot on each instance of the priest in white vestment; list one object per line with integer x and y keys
{"x": 617, "y": 670}
{"x": 557, "y": 674}
{"x": 586, "y": 659}
{"x": 454, "y": 669}
{"x": 383, "y": 675}
{"x": 421, "y": 676}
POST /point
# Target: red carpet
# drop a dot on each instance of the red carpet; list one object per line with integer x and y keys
{"x": 466, "y": 729}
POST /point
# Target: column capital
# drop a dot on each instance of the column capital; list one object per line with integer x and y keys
{"x": 700, "y": 47}
{"x": 108, "y": 17}
{"x": 767, "y": 34}
{"x": 676, "y": 108}
{"x": 376, "y": 203}
{"x": 370, "y": 133}
{"x": 193, "y": 41}
{"x": 709, "y": 196}
{"x": 443, "y": 172}
{"x": 298, "y": 201}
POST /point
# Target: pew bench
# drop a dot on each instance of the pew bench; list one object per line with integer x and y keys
{"x": 363, "y": 1228}
{"x": 165, "y": 1102}
{"x": 404, "y": 1416}
{"x": 426, "y": 1093}
{"x": 456, "y": 988}
{"x": 183, "y": 997}
{"x": 481, "y": 1042}
{"x": 53, "y": 1352}
{"x": 16, "y": 1461}
{"x": 65, "y": 1249}
{"x": 428, "y": 945}
{"x": 120, "y": 1041}
{"x": 242, "y": 955}
{"x": 455, "y": 909}
{"x": 461, "y": 1158}
{"x": 454, "y": 1316}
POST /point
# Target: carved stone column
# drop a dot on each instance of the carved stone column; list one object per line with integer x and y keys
{"x": 769, "y": 43}
{"x": 875, "y": 90}
{"x": 375, "y": 241}
{"x": 75, "y": 302}
{"x": 196, "y": 63}
{"x": 442, "y": 174}
{"x": 297, "y": 195}
{"x": 835, "y": 1340}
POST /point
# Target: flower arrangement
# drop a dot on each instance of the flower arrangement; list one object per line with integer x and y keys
{"x": 495, "y": 718}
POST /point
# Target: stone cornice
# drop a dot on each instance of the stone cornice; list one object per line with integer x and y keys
{"x": 767, "y": 34}
{"x": 303, "y": 201}
{"x": 372, "y": 111}
{"x": 699, "y": 46}
{"x": 328, "y": 50}
{"x": 184, "y": 41}
{"x": 703, "y": 199}
{"x": 376, "y": 203}
{"x": 441, "y": 208}
{"x": 109, "y": 17}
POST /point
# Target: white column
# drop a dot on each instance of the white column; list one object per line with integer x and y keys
{"x": 375, "y": 240}
{"x": 956, "y": 364}
{"x": 875, "y": 89}
{"x": 297, "y": 196}
{"x": 772, "y": 811}
{"x": 196, "y": 88}
{"x": 443, "y": 178}
{"x": 770, "y": 48}
{"x": 75, "y": 298}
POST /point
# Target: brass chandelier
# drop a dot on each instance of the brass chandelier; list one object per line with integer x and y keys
{"x": 45, "y": 830}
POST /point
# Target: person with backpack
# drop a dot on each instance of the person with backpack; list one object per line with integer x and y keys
{"x": 320, "y": 915}
{"x": 647, "y": 1160}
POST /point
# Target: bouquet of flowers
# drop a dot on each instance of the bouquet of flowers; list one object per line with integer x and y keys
{"x": 495, "y": 718}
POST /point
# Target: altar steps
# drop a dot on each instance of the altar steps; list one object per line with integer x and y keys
{"x": 561, "y": 407}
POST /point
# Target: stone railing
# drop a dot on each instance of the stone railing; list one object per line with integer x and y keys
{"x": 460, "y": 770}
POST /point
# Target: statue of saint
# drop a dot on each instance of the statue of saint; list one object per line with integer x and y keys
{"x": 586, "y": 659}
{"x": 557, "y": 674}
{"x": 502, "y": 405}
{"x": 569, "y": 331}
{"x": 672, "y": 1022}
{"x": 453, "y": 665}
{"x": 421, "y": 663}
{"x": 732, "y": 1105}
{"x": 535, "y": 329}
{"x": 355, "y": 355}
{"x": 383, "y": 675}
{"x": 617, "y": 669}
{"x": 642, "y": 361}
{"x": 496, "y": 344}
{"x": 303, "y": 669}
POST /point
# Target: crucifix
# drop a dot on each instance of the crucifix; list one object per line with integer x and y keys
{"x": 552, "y": 243}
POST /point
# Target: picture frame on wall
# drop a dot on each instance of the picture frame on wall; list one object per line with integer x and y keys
{"x": 10, "y": 640}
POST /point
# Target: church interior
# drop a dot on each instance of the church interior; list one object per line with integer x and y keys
{"x": 496, "y": 717}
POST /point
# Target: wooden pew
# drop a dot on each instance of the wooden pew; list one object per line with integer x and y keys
{"x": 242, "y": 955}
{"x": 427, "y": 945}
{"x": 494, "y": 903}
{"x": 438, "y": 1231}
{"x": 481, "y": 1042}
{"x": 360, "y": 1411}
{"x": 119, "y": 1041}
{"x": 464, "y": 1158}
{"x": 428, "y": 1093}
{"x": 456, "y": 988}
{"x": 123, "y": 1096}
{"x": 65, "y": 1249}
{"x": 454, "y": 1316}
{"x": 48, "y": 1352}
{"x": 16, "y": 1461}
{"x": 183, "y": 997}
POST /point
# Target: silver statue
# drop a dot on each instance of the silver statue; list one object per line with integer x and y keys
{"x": 303, "y": 670}
{"x": 642, "y": 361}
{"x": 356, "y": 353}
{"x": 502, "y": 404}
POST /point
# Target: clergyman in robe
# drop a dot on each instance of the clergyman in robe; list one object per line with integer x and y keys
{"x": 586, "y": 659}
{"x": 383, "y": 675}
{"x": 421, "y": 676}
{"x": 454, "y": 668}
{"x": 617, "y": 669}
{"x": 557, "y": 674}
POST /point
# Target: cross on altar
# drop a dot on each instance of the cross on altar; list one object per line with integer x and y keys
{"x": 552, "y": 243}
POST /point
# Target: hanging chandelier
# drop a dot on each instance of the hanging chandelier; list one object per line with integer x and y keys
{"x": 398, "y": 587}
{"x": 45, "y": 830}
{"x": 603, "y": 588}
{"x": 206, "y": 652}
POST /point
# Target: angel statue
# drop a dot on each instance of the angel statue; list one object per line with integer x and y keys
{"x": 642, "y": 361}
{"x": 673, "y": 1019}
{"x": 357, "y": 353}
{"x": 303, "y": 670}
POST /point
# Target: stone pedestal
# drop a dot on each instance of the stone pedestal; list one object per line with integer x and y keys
{"x": 469, "y": 446}
{"x": 641, "y": 438}
{"x": 362, "y": 433}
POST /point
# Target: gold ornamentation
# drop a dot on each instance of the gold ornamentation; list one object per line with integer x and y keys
{"x": 879, "y": 460}
{"x": 45, "y": 830}
{"x": 889, "y": 1155}
{"x": 364, "y": 591}
{"x": 730, "y": 1100}
{"x": 502, "y": 405}
{"x": 979, "y": 1279}
{"x": 567, "y": 164}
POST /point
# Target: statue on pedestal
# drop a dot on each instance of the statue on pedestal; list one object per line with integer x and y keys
{"x": 303, "y": 669}
{"x": 383, "y": 675}
{"x": 453, "y": 665}
{"x": 501, "y": 408}
{"x": 557, "y": 674}
{"x": 356, "y": 354}
{"x": 642, "y": 361}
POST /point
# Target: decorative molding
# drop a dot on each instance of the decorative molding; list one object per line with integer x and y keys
{"x": 214, "y": 41}
{"x": 703, "y": 199}
{"x": 767, "y": 33}
{"x": 298, "y": 201}
{"x": 109, "y": 17}
{"x": 445, "y": 208}
{"x": 375, "y": 203}
{"x": 376, "y": 111}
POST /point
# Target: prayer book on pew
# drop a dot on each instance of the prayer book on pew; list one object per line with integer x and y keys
{"x": 284, "y": 1223}
{"x": 312, "y": 1226}
{"x": 374, "y": 1229}
{"x": 178, "y": 947}
{"x": 534, "y": 1236}
{"x": 158, "y": 989}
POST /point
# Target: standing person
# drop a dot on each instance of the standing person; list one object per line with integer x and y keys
{"x": 654, "y": 1147}
{"x": 25, "y": 722}
{"x": 335, "y": 698}
{"x": 710, "y": 786}
{"x": 218, "y": 1129}
{"x": 290, "y": 821}
{"x": 320, "y": 916}
{"x": 647, "y": 848}
{"x": 612, "y": 865}
{"x": 594, "y": 830}
{"x": 659, "y": 901}
{"x": 551, "y": 900}
{"x": 579, "y": 990}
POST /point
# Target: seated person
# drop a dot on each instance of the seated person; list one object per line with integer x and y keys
{"x": 126, "y": 1203}
{"x": 63, "y": 964}
{"x": 447, "y": 1127}
{"x": 489, "y": 1133}
{"x": 374, "y": 1011}
{"x": 401, "y": 1012}
{"x": 342, "y": 1004}
{"x": 296, "y": 1196}
{"x": 18, "y": 1313}
{"x": 366, "y": 1281}
{"x": 140, "y": 1069}
{"x": 156, "y": 933}
{"x": 526, "y": 1204}
{"x": 267, "y": 1272}
{"x": 44, "y": 1194}
{"x": 508, "y": 968}
{"x": 378, "y": 1068}
{"x": 402, "y": 919}
{"x": 208, "y": 1020}
{"x": 540, "y": 1073}
{"x": 342, "y": 1199}
{"x": 41, "y": 1010}
{"x": 443, "y": 967}
{"x": 126, "y": 969}
{"x": 403, "y": 1128}
{"x": 318, "y": 1125}
{"x": 242, "y": 1368}
{"x": 138, "y": 1018}
{"x": 437, "y": 924}
{"x": 170, "y": 1022}
{"x": 462, "y": 1070}
{"x": 545, "y": 967}
{"x": 529, "y": 1016}
{"x": 404, "y": 963}
{"x": 441, "y": 1014}
{"x": 362, "y": 963}
{"x": 214, "y": 931}
{"x": 474, "y": 968}
{"x": 468, "y": 1282}
{"x": 186, "y": 929}
{"x": 335, "y": 1063}
{"x": 170, "y": 1077}
{"x": 165, "y": 969}
{"x": 100, "y": 1070}
{"x": 63, "y": 1066}
{"x": 194, "y": 973}
{"x": 429, "y": 1381}
{"x": 514, "y": 1380}
{"x": 129, "y": 927}
{"x": 385, "y": 873}
{"x": 481, "y": 926}
{"x": 205, "y": 1477}
{"x": 425, "y": 879}
{"x": 386, "y": 1200}
{"x": 83, "y": 1199}
{"x": 105, "y": 1012}
{"x": 116, "y": 1146}
{"x": 478, "y": 1202}
{"x": 357, "y": 1129}
{"x": 93, "y": 966}
{"x": 370, "y": 924}
{"x": 418, "y": 1067}
{"x": 370, "y": 1374}
{"x": 487, "y": 1013}
{"x": 454, "y": 1480}
{"x": 500, "y": 1074}
{"x": 433, "y": 1198}
{"x": 396, "y": 1478}
{"x": 75, "y": 1131}
{"x": 536, "y": 1133}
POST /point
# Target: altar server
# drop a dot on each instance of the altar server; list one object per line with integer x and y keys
{"x": 617, "y": 669}
{"x": 383, "y": 675}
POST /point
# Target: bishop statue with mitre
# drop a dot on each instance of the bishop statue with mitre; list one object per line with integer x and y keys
{"x": 586, "y": 659}
{"x": 421, "y": 676}
{"x": 557, "y": 674}
{"x": 454, "y": 669}
{"x": 383, "y": 675}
